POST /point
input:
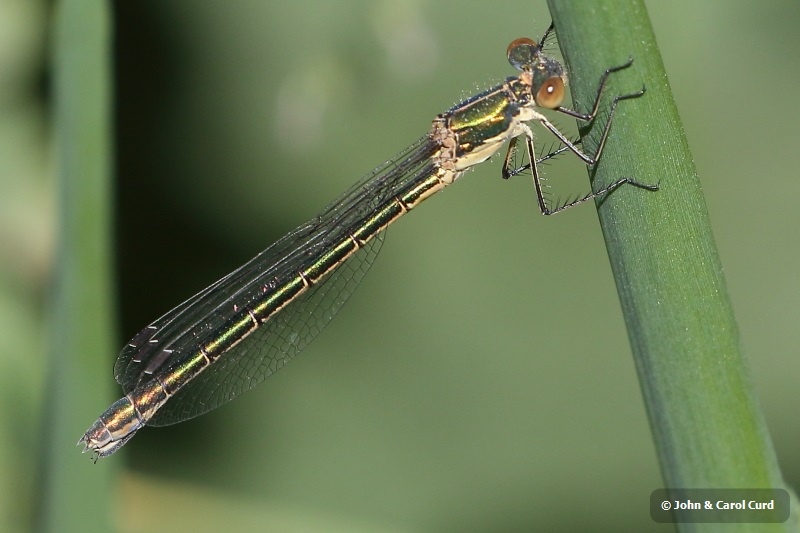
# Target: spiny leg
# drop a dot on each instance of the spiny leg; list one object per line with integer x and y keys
{"x": 588, "y": 117}
{"x": 537, "y": 179}
{"x": 592, "y": 160}
{"x": 509, "y": 170}
{"x": 572, "y": 145}
{"x": 547, "y": 33}
{"x": 537, "y": 184}
{"x": 602, "y": 192}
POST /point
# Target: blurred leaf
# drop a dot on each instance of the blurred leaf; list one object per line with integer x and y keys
{"x": 76, "y": 495}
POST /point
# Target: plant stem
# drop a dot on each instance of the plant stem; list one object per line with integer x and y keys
{"x": 74, "y": 496}
{"x": 708, "y": 428}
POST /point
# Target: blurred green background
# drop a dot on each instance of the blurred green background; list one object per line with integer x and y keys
{"x": 480, "y": 379}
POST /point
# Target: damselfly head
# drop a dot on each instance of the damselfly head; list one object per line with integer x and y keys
{"x": 547, "y": 76}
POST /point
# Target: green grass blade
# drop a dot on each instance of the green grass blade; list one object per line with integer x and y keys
{"x": 74, "y": 494}
{"x": 705, "y": 419}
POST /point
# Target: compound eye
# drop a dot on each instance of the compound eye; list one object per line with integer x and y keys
{"x": 522, "y": 53}
{"x": 551, "y": 93}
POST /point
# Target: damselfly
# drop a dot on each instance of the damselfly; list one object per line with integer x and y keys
{"x": 243, "y": 328}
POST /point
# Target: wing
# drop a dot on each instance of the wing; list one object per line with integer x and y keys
{"x": 272, "y": 345}
{"x": 194, "y": 322}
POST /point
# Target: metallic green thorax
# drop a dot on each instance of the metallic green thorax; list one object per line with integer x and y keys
{"x": 487, "y": 115}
